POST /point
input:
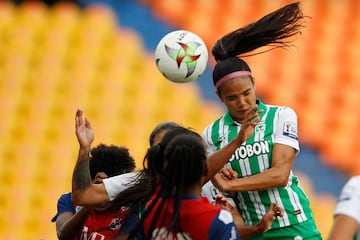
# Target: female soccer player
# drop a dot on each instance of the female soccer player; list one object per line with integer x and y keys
{"x": 264, "y": 161}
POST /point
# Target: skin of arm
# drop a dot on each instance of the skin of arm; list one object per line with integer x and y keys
{"x": 246, "y": 232}
{"x": 264, "y": 225}
{"x": 344, "y": 228}
{"x": 218, "y": 159}
{"x": 277, "y": 176}
{"x": 69, "y": 225}
{"x": 84, "y": 192}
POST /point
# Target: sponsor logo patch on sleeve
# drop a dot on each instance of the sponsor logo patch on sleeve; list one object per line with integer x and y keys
{"x": 290, "y": 130}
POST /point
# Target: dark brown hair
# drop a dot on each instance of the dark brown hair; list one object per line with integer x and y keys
{"x": 275, "y": 29}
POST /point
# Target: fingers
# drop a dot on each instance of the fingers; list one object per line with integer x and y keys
{"x": 78, "y": 117}
{"x": 221, "y": 200}
{"x": 252, "y": 116}
{"x": 228, "y": 173}
{"x": 87, "y": 123}
{"x": 278, "y": 211}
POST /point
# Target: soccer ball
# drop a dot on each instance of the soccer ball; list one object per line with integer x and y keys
{"x": 181, "y": 56}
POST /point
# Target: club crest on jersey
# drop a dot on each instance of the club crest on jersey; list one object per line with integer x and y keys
{"x": 290, "y": 130}
{"x": 115, "y": 223}
{"x": 260, "y": 127}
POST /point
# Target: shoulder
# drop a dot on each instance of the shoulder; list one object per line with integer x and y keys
{"x": 65, "y": 204}
{"x": 282, "y": 110}
{"x": 225, "y": 217}
{"x": 210, "y": 126}
{"x": 285, "y": 118}
{"x": 287, "y": 111}
{"x": 354, "y": 183}
{"x": 65, "y": 198}
{"x": 214, "y": 129}
{"x": 223, "y": 227}
{"x": 352, "y": 186}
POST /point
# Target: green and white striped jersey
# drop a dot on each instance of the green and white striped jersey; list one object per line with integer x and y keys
{"x": 277, "y": 125}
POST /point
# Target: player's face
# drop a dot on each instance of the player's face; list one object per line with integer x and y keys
{"x": 238, "y": 95}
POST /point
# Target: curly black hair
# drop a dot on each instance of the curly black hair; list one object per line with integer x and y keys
{"x": 112, "y": 160}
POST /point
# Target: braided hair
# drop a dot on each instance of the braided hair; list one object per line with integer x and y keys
{"x": 138, "y": 194}
{"x": 183, "y": 157}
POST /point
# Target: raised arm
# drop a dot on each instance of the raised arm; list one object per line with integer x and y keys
{"x": 84, "y": 192}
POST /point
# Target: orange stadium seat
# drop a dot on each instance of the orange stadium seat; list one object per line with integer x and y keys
{"x": 54, "y": 60}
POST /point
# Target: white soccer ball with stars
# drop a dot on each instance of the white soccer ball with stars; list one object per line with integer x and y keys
{"x": 181, "y": 56}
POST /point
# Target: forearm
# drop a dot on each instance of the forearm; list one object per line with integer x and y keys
{"x": 81, "y": 179}
{"x": 218, "y": 159}
{"x": 73, "y": 225}
{"x": 269, "y": 179}
{"x": 247, "y": 232}
{"x": 344, "y": 228}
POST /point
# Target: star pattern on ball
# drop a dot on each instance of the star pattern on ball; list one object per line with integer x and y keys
{"x": 185, "y": 54}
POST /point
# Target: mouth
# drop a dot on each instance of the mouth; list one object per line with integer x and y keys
{"x": 242, "y": 111}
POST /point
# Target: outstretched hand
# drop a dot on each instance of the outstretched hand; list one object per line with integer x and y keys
{"x": 84, "y": 132}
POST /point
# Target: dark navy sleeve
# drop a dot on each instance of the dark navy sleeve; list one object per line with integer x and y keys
{"x": 64, "y": 204}
{"x": 130, "y": 223}
{"x": 223, "y": 227}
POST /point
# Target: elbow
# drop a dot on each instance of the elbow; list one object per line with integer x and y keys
{"x": 77, "y": 198}
{"x": 282, "y": 181}
{"x": 279, "y": 177}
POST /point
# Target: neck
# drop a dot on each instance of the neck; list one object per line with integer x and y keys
{"x": 194, "y": 190}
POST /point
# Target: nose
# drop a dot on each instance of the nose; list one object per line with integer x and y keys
{"x": 241, "y": 101}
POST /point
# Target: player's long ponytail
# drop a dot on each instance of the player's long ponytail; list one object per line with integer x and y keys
{"x": 276, "y": 29}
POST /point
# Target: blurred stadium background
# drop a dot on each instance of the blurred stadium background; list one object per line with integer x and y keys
{"x": 57, "y": 56}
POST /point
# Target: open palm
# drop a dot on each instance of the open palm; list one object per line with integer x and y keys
{"x": 84, "y": 132}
